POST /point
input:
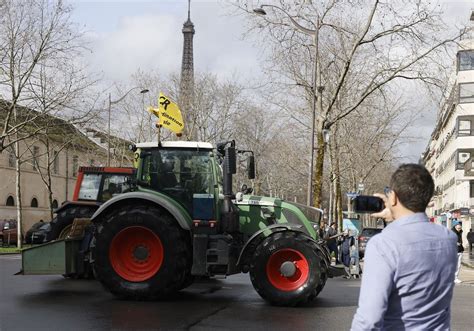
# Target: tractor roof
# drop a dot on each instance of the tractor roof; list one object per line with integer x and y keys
{"x": 177, "y": 144}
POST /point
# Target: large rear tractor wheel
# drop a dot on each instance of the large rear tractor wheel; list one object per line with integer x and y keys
{"x": 287, "y": 270}
{"x": 141, "y": 253}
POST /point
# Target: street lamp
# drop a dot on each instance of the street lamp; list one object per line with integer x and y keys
{"x": 317, "y": 99}
{"x": 143, "y": 91}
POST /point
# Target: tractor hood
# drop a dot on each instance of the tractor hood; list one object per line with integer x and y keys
{"x": 255, "y": 200}
{"x": 312, "y": 214}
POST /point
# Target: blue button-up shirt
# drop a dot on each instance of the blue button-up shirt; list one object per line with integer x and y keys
{"x": 408, "y": 277}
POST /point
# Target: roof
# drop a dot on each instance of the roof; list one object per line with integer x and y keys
{"x": 177, "y": 144}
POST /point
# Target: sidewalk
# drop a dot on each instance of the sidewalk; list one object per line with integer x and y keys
{"x": 466, "y": 275}
{"x": 468, "y": 259}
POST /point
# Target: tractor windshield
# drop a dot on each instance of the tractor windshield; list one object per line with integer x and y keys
{"x": 179, "y": 173}
{"x": 90, "y": 187}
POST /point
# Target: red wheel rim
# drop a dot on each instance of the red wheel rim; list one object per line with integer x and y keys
{"x": 282, "y": 282}
{"x": 136, "y": 253}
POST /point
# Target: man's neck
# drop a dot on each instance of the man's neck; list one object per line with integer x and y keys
{"x": 402, "y": 213}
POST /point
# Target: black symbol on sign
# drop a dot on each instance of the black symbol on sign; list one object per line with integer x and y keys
{"x": 165, "y": 102}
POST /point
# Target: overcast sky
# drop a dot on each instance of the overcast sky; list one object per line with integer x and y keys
{"x": 130, "y": 35}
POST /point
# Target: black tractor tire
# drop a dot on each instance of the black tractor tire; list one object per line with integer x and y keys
{"x": 324, "y": 276}
{"x": 291, "y": 291}
{"x": 174, "y": 271}
{"x": 66, "y": 217}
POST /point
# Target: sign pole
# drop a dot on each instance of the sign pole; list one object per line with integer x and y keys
{"x": 159, "y": 134}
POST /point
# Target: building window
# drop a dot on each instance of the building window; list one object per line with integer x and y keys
{"x": 466, "y": 126}
{"x": 466, "y": 92}
{"x": 35, "y": 157}
{"x": 11, "y": 157}
{"x": 463, "y": 155}
{"x": 55, "y": 162}
{"x": 10, "y": 201}
{"x": 471, "y": 188}
{"x": 466, "y": 60}
{"x": 75, "y": 165}
{"x": 34, "y": 203}
{"x": 55, "y": 204}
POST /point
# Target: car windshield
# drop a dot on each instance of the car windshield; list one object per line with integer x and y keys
{"x": 37, "y": 225}
{"x": 45, "y": 227}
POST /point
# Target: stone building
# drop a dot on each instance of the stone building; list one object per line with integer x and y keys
{"x": 62, "y": 150}
{"x": 449, "y": 155}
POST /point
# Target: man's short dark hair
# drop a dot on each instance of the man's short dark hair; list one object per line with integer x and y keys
{"x": 413, "y": 185}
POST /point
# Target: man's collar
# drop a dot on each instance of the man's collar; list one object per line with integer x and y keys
{"x": 413, "y": 218}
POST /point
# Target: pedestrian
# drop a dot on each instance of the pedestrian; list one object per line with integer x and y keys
{"x": 457, "y": 229}
{"x": 470, "y": 239}
{"x": 347, "y": 243}
{"x": 409, "y": 267}
{"x": 322, "y": 230}
{"x": 331, "y": 237}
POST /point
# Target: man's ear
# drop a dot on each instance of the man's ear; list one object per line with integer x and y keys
{"x": 393, "y": 199}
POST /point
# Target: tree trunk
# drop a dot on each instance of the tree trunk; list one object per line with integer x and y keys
{"x": 18, "y": 195}
{"x": 318, "y": 169}
{"x": 49, "y": 185}
{"x": 338, "y": 195}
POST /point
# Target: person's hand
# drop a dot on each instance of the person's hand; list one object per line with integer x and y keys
{"x": 386, "y": 214}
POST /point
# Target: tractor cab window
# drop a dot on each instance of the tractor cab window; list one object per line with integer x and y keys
{"x": 178, "y": 173}
{"x": 90, "y": 187}
{"x": 114, "y": 185}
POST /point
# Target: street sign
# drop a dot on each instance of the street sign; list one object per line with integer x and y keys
{"x": 361, "y": 187}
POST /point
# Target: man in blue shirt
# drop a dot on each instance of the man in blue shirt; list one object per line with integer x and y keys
{"x": 409, "y": 267}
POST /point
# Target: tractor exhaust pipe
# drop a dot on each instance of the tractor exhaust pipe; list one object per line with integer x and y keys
{"x": 230, "y": 213}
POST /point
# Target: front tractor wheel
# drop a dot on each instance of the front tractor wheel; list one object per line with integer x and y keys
{"x": 141, "y": 253}
{"x": 286, "y": 269}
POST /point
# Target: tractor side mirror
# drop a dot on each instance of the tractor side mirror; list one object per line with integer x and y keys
{"x": 251, "y": 167}
{"x": 230, "y": 163}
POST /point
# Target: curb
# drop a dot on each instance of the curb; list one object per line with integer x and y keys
{"x": 12, "y": 253}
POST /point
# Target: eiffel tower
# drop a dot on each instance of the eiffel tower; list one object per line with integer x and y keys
{"x": 186, "y": 93}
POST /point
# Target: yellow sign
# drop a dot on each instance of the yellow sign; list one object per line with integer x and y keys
{"x": 154, "y": 111}
{"x": 136, "y": 157}
{"x": 169, "y": 115}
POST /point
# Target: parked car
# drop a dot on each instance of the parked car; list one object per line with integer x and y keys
{"x": 364, "y": 237}
{"x": 2, "y": 223}
{"x": 37, "y": 233}
{"x": 9, "y": 232}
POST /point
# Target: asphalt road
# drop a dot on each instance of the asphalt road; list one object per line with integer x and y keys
{"x": 54, "y": 303}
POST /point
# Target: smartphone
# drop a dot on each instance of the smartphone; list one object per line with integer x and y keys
{"x": 368, "y": 204}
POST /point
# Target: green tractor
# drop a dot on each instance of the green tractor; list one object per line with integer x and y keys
{"x": 181, "y": 221}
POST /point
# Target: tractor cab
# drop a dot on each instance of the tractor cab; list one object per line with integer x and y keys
{"x": 100, "y": 184}
{"x": 181, "y": 170}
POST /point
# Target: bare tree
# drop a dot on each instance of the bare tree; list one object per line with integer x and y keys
{"x": 36, "y": 36}
{"x": 40, "y": 75}
{"x": 364, "y": 49}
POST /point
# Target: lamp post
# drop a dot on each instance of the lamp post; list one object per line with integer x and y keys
{"x": 317, "y": 99}
{"x": 143, "y": 91}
